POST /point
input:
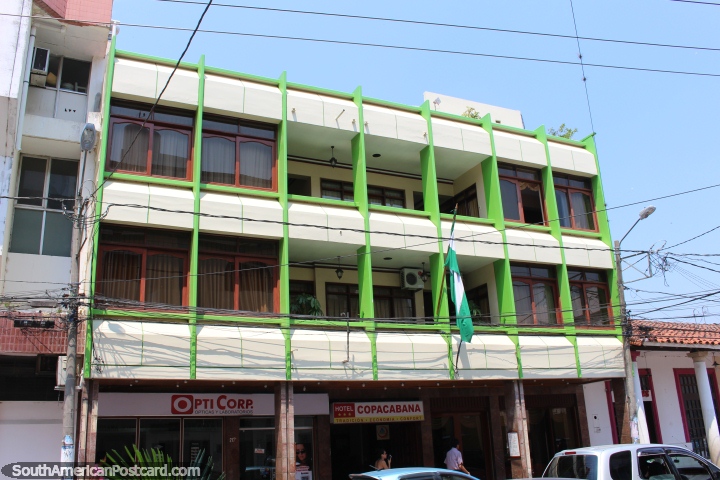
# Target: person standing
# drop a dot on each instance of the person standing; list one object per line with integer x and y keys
{"x": 383, "y": 461}
{"x": 453, "y": 458}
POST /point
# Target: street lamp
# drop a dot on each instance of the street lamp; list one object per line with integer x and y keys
{"x": 629, "y": 371}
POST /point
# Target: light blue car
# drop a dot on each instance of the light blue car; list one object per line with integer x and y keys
{"x": 412, "y": 473}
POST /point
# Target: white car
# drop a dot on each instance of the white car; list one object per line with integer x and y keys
{"x": 631, "y": 462}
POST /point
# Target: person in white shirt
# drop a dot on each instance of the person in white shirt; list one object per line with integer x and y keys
{"x": 453, "y": 459}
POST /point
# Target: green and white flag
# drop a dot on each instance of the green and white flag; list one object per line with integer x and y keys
{"x": 457, "y": 291}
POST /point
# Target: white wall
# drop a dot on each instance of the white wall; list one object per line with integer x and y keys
{"x": 30, "y": 432}
{"x": 661, "y": 366}
{"x": 598, "y": 414}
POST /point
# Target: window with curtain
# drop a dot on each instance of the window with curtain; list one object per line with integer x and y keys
{"x": 342, "y": 300}
{"x": 522, "y": 194}
{"x": 142, "y": 265}
{"x": 466, "y": 201}
{"x": 574, "y": 197}
{"x": 535, "y": 292}
{"x": 161, "y": 147}
{"x": 389, "y": 197}
{"x": 237, "y": 274}
{"x": 394, "y": 303}
{"x": 336, "y": 190}
{"x": 238, "y": 153}
{"x": 590, "y": 297}
{"x": 40, "y": 226}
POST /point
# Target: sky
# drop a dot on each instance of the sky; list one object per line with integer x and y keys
{"x": 656, "y": 133}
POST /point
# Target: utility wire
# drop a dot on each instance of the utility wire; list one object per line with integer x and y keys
{"x": 449, "y": 25}
{"x": 582, "y": 66}
{"x": 690, "y": 239}
{"x": 399, "y": 47}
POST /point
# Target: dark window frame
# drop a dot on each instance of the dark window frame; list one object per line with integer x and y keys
{"x": 462, "y": 199}
{"x": 532, "y": 280}
{"x": 516, "y": 180}
{"x": 239, "y": 138}
{"x": 343, "y": 189}
{"x": 584, "y": 284}
{"x": 568, "y": 190}
{"x": 151, "y": 124}
{"x": 396, "y": 292}
{"x": 384, "y": 196}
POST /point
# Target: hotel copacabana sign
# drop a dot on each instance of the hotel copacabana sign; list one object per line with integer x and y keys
{"x": 373, "y": 412}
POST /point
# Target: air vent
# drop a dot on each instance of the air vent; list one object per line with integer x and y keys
{"x": 41, "y": 60}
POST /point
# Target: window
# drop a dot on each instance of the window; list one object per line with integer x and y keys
{"x": 575, "y": 202}
{"x": 654, "y": 466}
{"x": 535, "y": 291}
{"x": 388, "y": 197}
{"x": 621, "y": 466}
{"x": 573, "y": 466}
{"x": 237, "y": 274}
{"x": 39, "y": 225}
{"x": 335, "y": 190}
{"x": 590, "y": 297}
{"x": 479, "y": 299}
{"x": 689, "y": 467}
{"x": 160, "y": 148}
{"x": 466, "y": 201}
{"x": 68, "y": 74}
{"x": 143, "y": 265}
{"x": 300, "y": 287}
{"x": 522, "y": 196}
{"x": 299, "y": 185}
{"x": 393, "y": 303}
{"x": 342, "y": 300}
{"x": 238, "y": 153}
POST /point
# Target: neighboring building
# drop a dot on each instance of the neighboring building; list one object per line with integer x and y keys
{"x": 51, "y": 76}
{"x": 240, "y": 194}
{"x": 677, "y": 368}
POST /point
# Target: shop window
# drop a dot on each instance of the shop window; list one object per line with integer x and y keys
{"x": 238, "y": 153}
{"x": 388, "y": 197}
{"x": 113, "y": 435}
{"x": 590, "y": 297}
{"x": 143, "y": 265}
{"x": 335, "y": 190}
{"x": 68, "y": 74}
{"x": 161, "y": 434}
{"x": 257, "y": 452}
{"x": 40, "y": 226}
{"x": 237, "y": 274}
{"x": 522, "y": 195}
{"x": 299, "y": 185}
{"x": 203, "y": 435}
{"x": 575, "y": 202}
{"x": 303, "y": 444}
{"x": 535, "y": 291}
{"x": 159, "y": 148}
{"x": 466, "y": 202}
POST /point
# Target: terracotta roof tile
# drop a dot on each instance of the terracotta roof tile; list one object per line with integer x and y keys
{"x": 673, "y": 333}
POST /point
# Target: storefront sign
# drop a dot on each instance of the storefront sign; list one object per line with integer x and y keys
{"x": 372, "y": 412}
{"x": 111, "y": 404}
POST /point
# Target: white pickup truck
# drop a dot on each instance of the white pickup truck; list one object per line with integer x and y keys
{"x": 631, "y": 462}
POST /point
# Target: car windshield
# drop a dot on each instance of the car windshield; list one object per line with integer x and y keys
{"x": 573, "y": 466}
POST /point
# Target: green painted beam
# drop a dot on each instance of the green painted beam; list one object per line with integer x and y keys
{"x": 284, "y": 279}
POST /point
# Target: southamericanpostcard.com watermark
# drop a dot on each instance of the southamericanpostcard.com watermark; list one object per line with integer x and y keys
{"x": 29, "y": 471}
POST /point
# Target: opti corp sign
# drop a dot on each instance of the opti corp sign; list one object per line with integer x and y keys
{"x": 211, "y": 405}
{"x": 372, "y": 412}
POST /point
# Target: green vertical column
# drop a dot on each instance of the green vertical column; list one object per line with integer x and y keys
{"x": 503, "y": 275}
{"x": 285, "y": 242}
{"x": 194, "y": 245}
{"x": 604, "y": 226}
{"x": 437, "y": 260}
{"x": 102, "y": 152}
{"x": 364, "y": 259}
{"x": 553, "y": 216}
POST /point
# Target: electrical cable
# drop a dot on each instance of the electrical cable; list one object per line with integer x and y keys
{"x": 582, "y": 66}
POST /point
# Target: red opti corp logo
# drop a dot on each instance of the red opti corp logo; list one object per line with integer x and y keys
{"x": 211, "y": 405}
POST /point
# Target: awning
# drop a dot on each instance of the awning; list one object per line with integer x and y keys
{"x": 601, "y": 357}
{"x": 547, "y": 357}
{"x": 487, "y": 357}
{"x": 330, "y": 355}
{"x": 402, "y": 356}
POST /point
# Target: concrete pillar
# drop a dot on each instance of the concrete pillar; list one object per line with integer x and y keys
{"x": 517, "y": 422}
{"x": 643, "y": 433}
{"x": 426, "y": 431}
{"x": 706, "y": 402}
{"x": 284, "y": 432}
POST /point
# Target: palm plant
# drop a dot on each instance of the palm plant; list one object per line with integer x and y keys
{"x": 155, "y": 457}
{"x": 305, "y": 304}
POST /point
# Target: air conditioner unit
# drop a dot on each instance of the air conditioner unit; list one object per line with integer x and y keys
{"x": 61, "y": 373}
{"x": 41, "y": 61}
{"x": 410, "y": 279}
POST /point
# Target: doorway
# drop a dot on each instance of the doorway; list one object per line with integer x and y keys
{"x": 472, "y": 430}
{"x": 550, "y": 430}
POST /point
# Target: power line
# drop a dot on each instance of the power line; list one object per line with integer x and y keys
{"x": 449, "y": 25}
{"x": 582, "y": 66}
{"x": 694, "y": 1}
{"x": 690, "y": 239}
{"x": 404, "y": 48}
